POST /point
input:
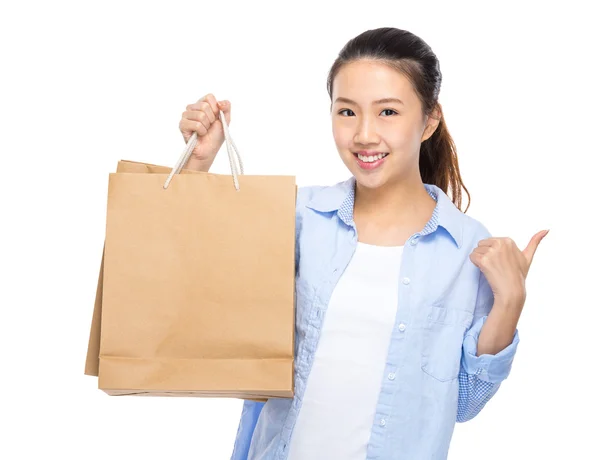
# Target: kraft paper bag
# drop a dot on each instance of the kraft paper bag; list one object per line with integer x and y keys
{"x": 195, "y": 293}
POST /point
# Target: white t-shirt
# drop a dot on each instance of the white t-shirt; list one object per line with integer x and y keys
{"x": 350, "y": 359}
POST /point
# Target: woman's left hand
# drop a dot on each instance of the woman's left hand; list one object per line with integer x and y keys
{"x": 505, "y": 266}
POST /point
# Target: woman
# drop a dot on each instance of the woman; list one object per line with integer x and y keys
{"x": 406, "y": 307}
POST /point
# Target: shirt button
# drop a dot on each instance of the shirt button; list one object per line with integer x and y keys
{"x": 405, "y": 280}
{"x": 382, "y": 422}
{"x": 413, "y": 241}
{"x": 402, "y": 327}
{"x": 391, "y": 376}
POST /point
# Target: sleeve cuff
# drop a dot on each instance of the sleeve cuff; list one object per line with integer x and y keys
{"x": 489, "y": 368}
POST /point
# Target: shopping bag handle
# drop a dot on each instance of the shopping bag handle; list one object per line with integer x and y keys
{"x": 237, "y": 167}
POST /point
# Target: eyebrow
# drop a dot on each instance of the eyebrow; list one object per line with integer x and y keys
{"x": 379, "y": 101}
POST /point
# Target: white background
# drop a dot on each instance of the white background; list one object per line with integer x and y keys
{"x": 87, "y": 84}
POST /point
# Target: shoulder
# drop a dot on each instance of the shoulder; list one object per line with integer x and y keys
{"x": 303, "y": 196}
{"x": 325, "y": 197}
{"x": 474, "y": 231}
{"x": 306, "y": 193}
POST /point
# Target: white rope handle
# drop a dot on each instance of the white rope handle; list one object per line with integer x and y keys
{"x": 237, "y": 167}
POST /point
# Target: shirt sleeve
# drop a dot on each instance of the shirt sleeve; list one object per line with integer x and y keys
{"x": 250, "y": 413}
{"x": 480, "y": 377}
{"x": 489, "y": 368}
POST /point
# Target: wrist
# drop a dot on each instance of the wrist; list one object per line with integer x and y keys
{"x": 196, "y": 164}
{"x": 515, "y": 302}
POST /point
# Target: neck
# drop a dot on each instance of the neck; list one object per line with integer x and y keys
{"x": 393, "y": 203}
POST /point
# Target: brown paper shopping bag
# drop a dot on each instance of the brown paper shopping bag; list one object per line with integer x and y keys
{"x": 195, "y": 293}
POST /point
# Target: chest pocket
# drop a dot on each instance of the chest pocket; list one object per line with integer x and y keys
{"x": 443, "y": 335}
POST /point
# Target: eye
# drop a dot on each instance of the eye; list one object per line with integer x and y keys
{"x": 384, "y": 110}
{"x": 389, "y": 110}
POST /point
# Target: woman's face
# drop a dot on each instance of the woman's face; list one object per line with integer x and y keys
{"x": 361, "y": 122}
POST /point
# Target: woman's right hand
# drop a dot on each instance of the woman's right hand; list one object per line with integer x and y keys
{"x": 203, "y": 118}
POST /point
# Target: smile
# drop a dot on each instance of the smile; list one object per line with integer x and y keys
{"x": 370, "y": 162}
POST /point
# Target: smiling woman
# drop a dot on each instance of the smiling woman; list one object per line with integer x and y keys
{"x": 387, "y": 102}
{"x": 389, "y": 306}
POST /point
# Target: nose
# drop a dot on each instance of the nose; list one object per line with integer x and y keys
{"x": 366, "y": 132}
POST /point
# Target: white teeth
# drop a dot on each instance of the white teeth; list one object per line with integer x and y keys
{"x": 371, "y": 159}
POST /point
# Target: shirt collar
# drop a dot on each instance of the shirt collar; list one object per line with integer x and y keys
{"x": 340, "y": 198}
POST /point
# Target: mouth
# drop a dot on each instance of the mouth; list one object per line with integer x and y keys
{"x": 370, "y": 162}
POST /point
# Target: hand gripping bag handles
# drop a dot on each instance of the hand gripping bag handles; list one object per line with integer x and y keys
{"x": 195, "y": 294}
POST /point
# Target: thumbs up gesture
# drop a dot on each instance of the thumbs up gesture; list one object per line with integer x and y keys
{"x": 505, "y": 266}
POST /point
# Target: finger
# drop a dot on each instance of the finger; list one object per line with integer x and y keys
{"x": 187, "y": 125}
{"x": 208, "y": 110}
{"x": 200, "y": 118}
{"x": 529, "y": 251}
{"x": 201, "y": 104}
{"x": 488, "y": 242}
{"x": 475, "y": 257}
{"x": 225, "y": 106}
{"x": 212, "y": 106}
{"x": 198, "y": 108}
{"x": 206, "y": 102}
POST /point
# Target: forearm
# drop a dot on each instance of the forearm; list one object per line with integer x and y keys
{"x": 499, "y": 329}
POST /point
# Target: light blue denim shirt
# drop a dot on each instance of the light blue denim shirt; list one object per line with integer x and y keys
{"x": 432, "y": 376}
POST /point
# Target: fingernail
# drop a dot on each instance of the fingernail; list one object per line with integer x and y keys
{"x": 546, "y": 232}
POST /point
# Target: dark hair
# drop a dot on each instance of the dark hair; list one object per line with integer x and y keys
{"x": 410, "y": 55}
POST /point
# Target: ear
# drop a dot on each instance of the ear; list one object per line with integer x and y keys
{"x": 433, "y": 120}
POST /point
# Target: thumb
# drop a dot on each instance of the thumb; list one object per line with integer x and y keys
{"x": 529, "y": 251}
